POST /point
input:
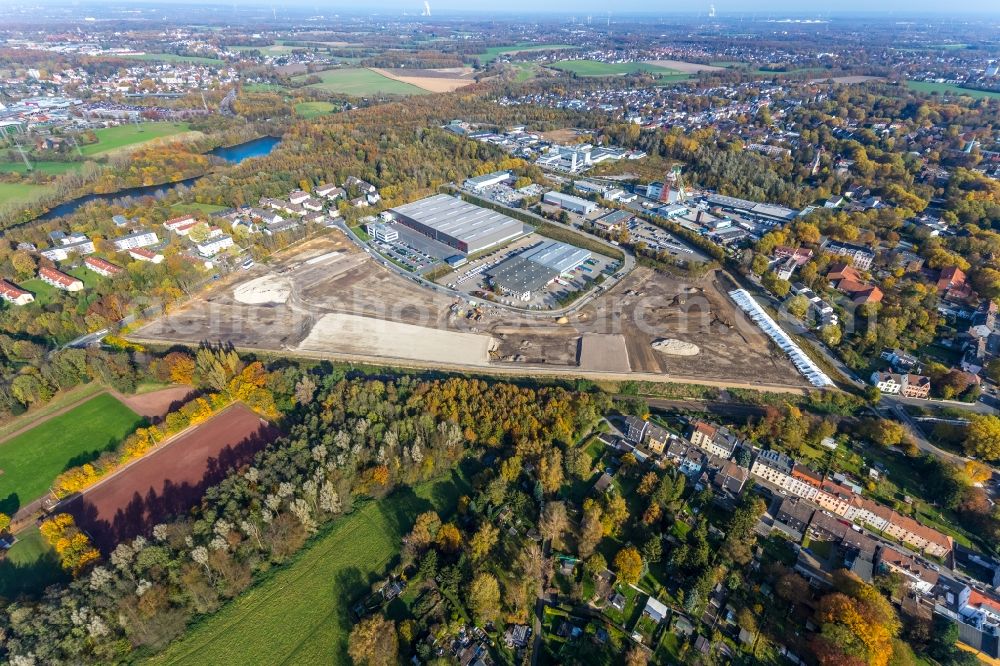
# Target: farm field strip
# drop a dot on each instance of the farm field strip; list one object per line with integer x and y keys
{"x": 359, "y": 81}
{"x": 33, "y": 459}
{"x": 597, "y": 68}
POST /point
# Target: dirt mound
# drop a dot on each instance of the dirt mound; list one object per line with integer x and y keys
{"x": 674, "y": 347}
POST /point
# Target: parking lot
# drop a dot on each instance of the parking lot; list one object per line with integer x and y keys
{"x": 413, "y": 251}
{"x": 659, "y": 240}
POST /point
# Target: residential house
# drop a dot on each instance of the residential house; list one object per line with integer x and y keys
{"x": 952, "y": 284}
{"x": 795, "y": 513}
{"x": 298, "y": 197}
{"x": 183, "y": 221}
{"x": 68, "y": 245}
{"x": 690, "y": 459}
{"x": 917, "y": 576}
{"x": 11, "y": 293}
{"x": 731, "y": 478}
{"x": 635, "y": 429}
{"x": 331, "y": 192}
{"x": 214, "y": 246}
{"x": 657, "y": 438}
{"x": 142, "y": 238}
{"x": 142, "y": 254}
{"x": 101, "y": 266}
{"x": 861, "y": 256}
{"x": 655, "y": 610}
{"x": 717, "y": 440}
{"x": 906, "y": 385}
{"x": 60, "y": 280}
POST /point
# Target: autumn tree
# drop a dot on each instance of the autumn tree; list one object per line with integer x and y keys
{"x": 550, "y": 471}
{"x": 982, "y": 438}
{"x": 554, "y": 522}
{"x": 484, "y": 597}
{"x": 425, "y": 530}
{"x": 449, "y": 538}
{"x": 373, "y": 642}
{"x": 591, "y": 531}
{"x": 628, "y": 565}
{"x": 482, "y": 541}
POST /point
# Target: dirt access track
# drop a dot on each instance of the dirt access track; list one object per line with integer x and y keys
{"x": 329, "y": 299}
{"x": 171, "y": 479}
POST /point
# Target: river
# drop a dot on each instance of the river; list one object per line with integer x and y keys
{"x": 232, "y": 154}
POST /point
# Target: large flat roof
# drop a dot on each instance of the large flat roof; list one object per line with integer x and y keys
{"x": 520, "y": 275}
{"x": 461, "y": 220}
{"x": 557, "y": 256}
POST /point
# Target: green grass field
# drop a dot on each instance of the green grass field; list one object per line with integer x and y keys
{"x": 313, "y": 109}
{"x": 596, "y": 68}
{"x": 494, "y": 52}
{"x": 264, "y": 87}
{"x": 360, "y": 82}
{"x": 30, "y": 565}
{"x": 113, "y": 138}
{"x": 50, "y": 168}
{"x": 299, "y": 615}
{"x": 208, "y": 209}
{"x": 173, "y": 57}
{"x": 930, "y": 87}
{"x": 32, "y": 460}
{"x": 21, "y": 193}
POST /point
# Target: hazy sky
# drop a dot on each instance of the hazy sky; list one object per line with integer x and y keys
{"x": 799, "y": 7}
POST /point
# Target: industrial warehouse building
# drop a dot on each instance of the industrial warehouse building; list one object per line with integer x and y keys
{"x": 457, "y": 223}
{"x": 569, "y": 202}
{"x": 535, "y": 268}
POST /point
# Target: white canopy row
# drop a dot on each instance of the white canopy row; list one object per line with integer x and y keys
{"x": 799, "y": 358}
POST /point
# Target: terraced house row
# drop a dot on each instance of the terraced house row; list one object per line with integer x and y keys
{"x": 782, "y": 471}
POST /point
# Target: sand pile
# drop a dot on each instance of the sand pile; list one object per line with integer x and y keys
{"x": 267, "y": 289}
{"x": 674, "y": 347}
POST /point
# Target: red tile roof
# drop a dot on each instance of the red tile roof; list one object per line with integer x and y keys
{"x": 102, "y": 265}
{"x": 11, "y": 290}
{"x": 58, "y": 276}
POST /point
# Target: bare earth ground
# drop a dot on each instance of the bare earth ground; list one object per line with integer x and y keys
{"x": 433, "y": 80}
{"x": 171, "y": 479}
{"x": 157, "y": 404}
{"x": 566, "y": 135}
{"x": 345, "y": 305}
{"x": 379, "y": 337}
{"x": 606, "y": 353}
{"x": 684, "y": 67}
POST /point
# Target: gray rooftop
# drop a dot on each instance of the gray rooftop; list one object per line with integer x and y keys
{"x": 461, "y": 220}
{"x": 519, "y": 275}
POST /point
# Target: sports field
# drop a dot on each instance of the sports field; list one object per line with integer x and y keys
{"x": 597, "y": 68}
{"x": 930, "y": 87}
{"x": 494, "y": 52}
{"x": 299, "y": 615}
{"x": 30, "y": 461}
{"x": 113, "y": 138}
{"x": 313, "y": 109}
{"x": 360, "y": 82}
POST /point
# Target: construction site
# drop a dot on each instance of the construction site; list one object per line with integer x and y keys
{"x": 327, "y": 298}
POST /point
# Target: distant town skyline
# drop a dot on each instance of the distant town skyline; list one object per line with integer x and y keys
{"x": 723, "y": 8}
